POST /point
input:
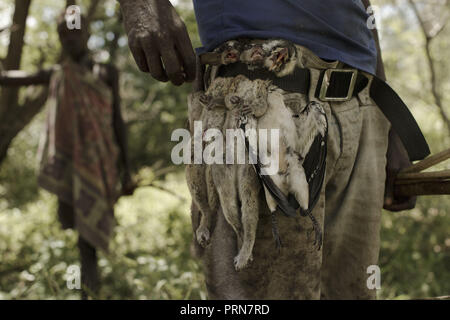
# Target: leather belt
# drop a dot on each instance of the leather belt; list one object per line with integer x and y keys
{"x": 337, "y": 85}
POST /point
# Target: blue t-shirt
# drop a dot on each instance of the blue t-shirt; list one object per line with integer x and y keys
{"x": 332, "y": 29}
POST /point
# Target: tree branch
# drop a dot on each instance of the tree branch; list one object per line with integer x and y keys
{"x": 21, "y": 78}
{"x": 14, "y": 56}
{"x": 423, "y": 189}
{"x": 4, "y": 29}
{"x": 18, "y": 119}
{"x": 92, "y": 10}
{"x": 428, "y": 162}
{"x": 431, "y": 63}
{"x": 426, "y": 176}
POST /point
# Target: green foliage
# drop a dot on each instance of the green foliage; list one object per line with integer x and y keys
{"x": 415, "y": 248}
{"x": 149, "y": 256}
{"x": 415, "y": 251}
{"x": 18, "y": 172}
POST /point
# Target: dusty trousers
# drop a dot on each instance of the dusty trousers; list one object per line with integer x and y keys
{"x": 349, "y": 211}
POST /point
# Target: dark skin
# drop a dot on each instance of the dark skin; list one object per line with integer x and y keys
{"x": 159, "y": 40}
{"x": 156, "y": 33}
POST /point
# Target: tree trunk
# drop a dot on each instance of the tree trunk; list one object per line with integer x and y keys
{"x": 12, "y": 121}
{"x": 434, "y": 83}
{"x": 18, "y": 119}
{"x": 8, "y": 99}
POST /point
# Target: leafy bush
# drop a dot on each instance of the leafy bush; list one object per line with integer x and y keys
{"x": 149, "y": 256}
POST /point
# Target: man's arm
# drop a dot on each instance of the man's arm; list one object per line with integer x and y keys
{"x": 397, "y": 157}
{"x": 158, "y": 40}
{"x": 22, "y": 78}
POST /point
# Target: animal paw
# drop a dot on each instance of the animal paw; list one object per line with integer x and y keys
{"x": 235, "y": 100}
{"x": 278, "y": 244}
{"x": 318, "y": 241}
{"x": 246, "y": 110}
{"x": 241, "y": 261}
{"x": 204, "y": 99}
{"x": 203, "y": 236}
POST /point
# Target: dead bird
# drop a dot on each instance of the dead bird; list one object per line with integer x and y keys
{"x": 291, "y": 177}
{"x": 282, "y": 57}
{"x": 310, "y": 122}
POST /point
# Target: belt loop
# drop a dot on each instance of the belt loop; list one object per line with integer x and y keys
{"x": 314, "y": 82}
{"x": 214, "y": 72}
{"x": 364, "y": 95}
{"x": 211, "y": 75}
{"x": 340, "y": 65}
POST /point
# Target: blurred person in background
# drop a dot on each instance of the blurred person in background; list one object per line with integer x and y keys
{"x": 83, "y": 153}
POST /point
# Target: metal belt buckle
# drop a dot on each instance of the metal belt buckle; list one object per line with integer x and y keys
{"x": 326, "y": 84}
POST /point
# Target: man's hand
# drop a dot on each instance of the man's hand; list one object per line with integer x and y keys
{"x": 159, "y": 40}
{"x": 397, "y": 159}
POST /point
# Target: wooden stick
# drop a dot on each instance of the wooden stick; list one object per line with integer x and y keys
{"x": 412, "y": 181}
{"x": 422, "y": 189}
{"x": 211, "y": 58}
{"x": 428, "y": 162}
{"x": 22, "y": 78}
{"x": 444, "y": 174}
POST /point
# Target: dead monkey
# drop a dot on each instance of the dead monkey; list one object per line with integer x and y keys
{"x": 198, "y": 176}
{"x": 238, "y": 185}
{"x": 281, "y": 57}
{"x": 230, "y": 52}
{"x": 210, "y": 109}
{"x": 235, "y": 184}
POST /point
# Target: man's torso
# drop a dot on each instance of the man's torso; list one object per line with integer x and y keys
{"x": 332, "y": 29}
